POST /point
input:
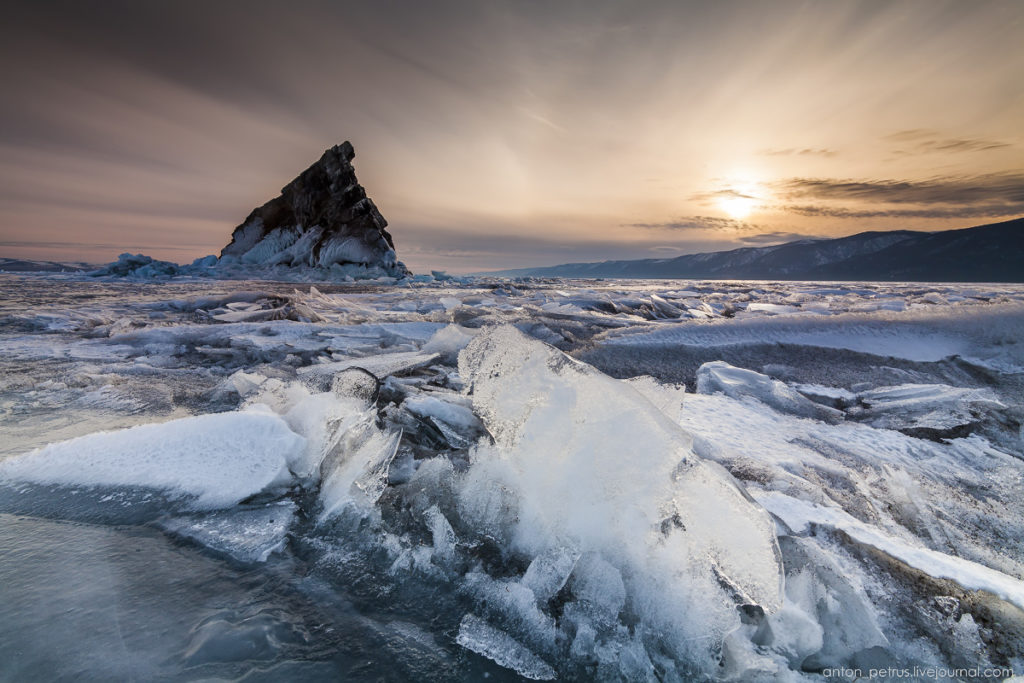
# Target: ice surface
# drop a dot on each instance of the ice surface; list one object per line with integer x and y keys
{"x": 344, "y": 452}
{"x": 217, "y": 459}
{"x": 601, "y": 531}
{"x": 772, "y": 309}
{"x": 834, "y": 397}
{"x": 442, "y": 533}
{"x": 92, "y": 601}
{"x": 246, "y": 534}
{"x": 897, "y": 482}
{"x": 920, "y": 335}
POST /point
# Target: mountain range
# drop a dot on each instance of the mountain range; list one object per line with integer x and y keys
{"x": 16, "y": 265}
{"x": 986, "y": 253}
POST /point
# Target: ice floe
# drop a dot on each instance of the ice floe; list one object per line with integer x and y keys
{"x": 219, "y": 460}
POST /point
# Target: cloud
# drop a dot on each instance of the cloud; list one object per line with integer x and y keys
{"x": 991, "y": 195}
{"x": 995, "y": 211}
{"x": 796, "y": 151}
{"x": 776, "y": 238}
{"x": 912, "y": 134}
{"x": 993, "y": 188}
{"x": 541, "y": 119}
{"x": 49, "y": 244}
{"x": 727, "y": 193}
{"x": 926, "y": 141}
{"x": 696, "y": 223}
{"x": 126, "y": 123}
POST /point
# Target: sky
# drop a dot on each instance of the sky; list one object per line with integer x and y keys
{"x": 500, "y": 134}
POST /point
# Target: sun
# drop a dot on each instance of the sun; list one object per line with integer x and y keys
{"x": 738, "y": 206}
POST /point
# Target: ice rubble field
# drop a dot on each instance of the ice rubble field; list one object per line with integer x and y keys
{"x": 487, "y": 478}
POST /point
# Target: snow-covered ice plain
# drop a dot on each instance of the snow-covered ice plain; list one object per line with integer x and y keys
{"x": 482, "y": 478}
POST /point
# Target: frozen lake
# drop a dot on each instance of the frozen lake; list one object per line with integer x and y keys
{"x": 483, "y": 478}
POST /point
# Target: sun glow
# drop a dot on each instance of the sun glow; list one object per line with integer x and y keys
{"x": 739, "y": 195}
{"x": 737, "y": 206}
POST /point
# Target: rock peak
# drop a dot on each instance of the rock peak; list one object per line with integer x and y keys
{"x": 322, "y": 218}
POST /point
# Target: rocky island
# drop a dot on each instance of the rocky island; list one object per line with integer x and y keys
{"x": 322, "y": 218}
{"x": 321, "y": 226}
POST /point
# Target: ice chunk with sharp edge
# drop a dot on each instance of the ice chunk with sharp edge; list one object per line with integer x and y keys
{"x": 549, "y": 571}
{"x": 738, "y": 382}
{"x": 480, "y": 637}
{"x": 589, "y": 463}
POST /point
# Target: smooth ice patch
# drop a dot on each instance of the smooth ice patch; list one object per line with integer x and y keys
{"x": 219, "y": 459}
{"x": 247, "y": 535}
{"x": 853, "y": 332}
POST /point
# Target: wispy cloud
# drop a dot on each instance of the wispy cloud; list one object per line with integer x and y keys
{"x": 775, "y": 238}
{"x": 696, "y": 223}
{"x": 926, "y": 141}
{"x": 951, "y": 212}
{"x": 797, "y": 151}
{"x": 994, "y": 188}
{"x": 89, "y": 245}
{"x": 727, "y": 193}
{"x": 541, "y": 119}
